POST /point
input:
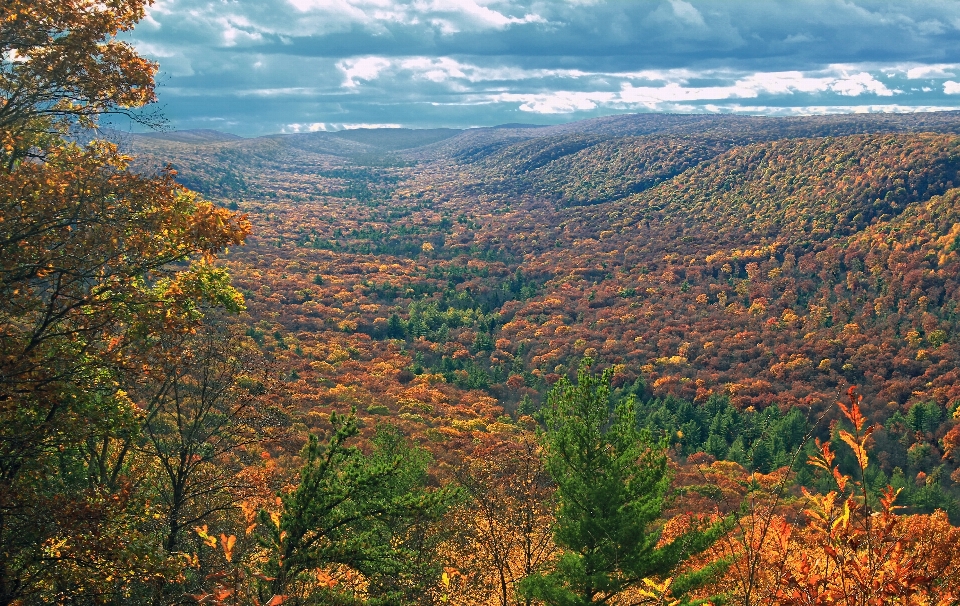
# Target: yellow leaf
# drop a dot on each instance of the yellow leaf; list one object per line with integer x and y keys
{"x": 203, "y": 534}
{"x": 845, "y": 518}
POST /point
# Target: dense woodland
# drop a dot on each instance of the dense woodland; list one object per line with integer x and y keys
{"x": 645, "y": 359}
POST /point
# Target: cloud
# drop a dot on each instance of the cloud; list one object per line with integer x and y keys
{"x": 264, "y": 65}
{"x": 442, "y": 69}
{"x": 364, "y": 68}
{"x": 686, "y": 13}
{"x": 446, "y": 16}
{"x": 817, "y": 110}
{"x": 622, "y": 88}
{"x": 463, "y": 14}
{"x": 665, "y": 97}
{"x": 557, "y": 102}
{"x": 931, "y": 71}
{"x": 326, "y": 127}
{"x": 859, "y": 84}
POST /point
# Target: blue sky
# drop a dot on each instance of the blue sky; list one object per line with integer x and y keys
{"x": 254, "y": 67}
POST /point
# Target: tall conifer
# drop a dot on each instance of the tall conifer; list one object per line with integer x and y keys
{"x": 612, "y": 479}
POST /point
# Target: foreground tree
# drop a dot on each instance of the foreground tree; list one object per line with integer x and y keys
{"x": 201, "y": 409}
{"x": 61, "y": 65}
{"x": 365, "y": 513}
{"x": 612, "y": 480}
{"x": 95, "y": 263}
{"x": 504, "y": 530}
{"x": 85, "y": 280}
{"x": 854, "y": 551}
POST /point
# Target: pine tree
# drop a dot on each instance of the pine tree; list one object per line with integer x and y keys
{"x": 612, "y": 479}
{"x": 361, "y": 511}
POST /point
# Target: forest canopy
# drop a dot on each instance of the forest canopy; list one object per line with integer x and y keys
{"x": 597, "y": 364}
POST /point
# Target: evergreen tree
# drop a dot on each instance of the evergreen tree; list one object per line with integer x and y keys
{"x": 367, "y": 512}
{"x": 611, "y": 482}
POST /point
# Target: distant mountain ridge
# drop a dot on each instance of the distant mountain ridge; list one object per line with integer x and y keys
{"x": 200, "y": 136}
{"x": 474, "y": 144}
{"x": 580, "y": 163}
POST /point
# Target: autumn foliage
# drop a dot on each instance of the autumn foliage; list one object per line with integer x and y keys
{"x": 347, "y": 379}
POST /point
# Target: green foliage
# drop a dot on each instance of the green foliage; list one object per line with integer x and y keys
{"x": 362, "y": 511}
{"x": 762, "y": 440}
{"x": 612, "y": 479}
{"x": 924, "y": 417}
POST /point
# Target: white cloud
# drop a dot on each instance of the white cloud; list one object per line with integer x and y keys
{"x": 472, "y": 13}
{"x": 588, "y": 90}
{"x": 650, "y": 96}
{"x": 237, "y": 29}
{"x": 364, "y": 68}
{"x": 751, "y": 86}
{"x": 558, "y": 102}
{"x": 665, "y": 85}
{"x": 447, "y": 16}
{"x": 799, "y": 39}
{"x": 275, "y": 93}
{"x": 951, "y": 88}
{"x": 441, "y": 70}
{"x": 931, "y": 71}
{"x": 687, "y": 13}
{"x": 659, "y": 75}
{"x": 675, "y": 95}
{"x": 436, "y": 70}
{"x": 154, "y": 50}
{"x": 813, "y": 110}
{"x": 858, "y": 84}
{"x": 931, "y": 27}
{"x": 330, "y": 127}
{"x": 783, "y": 83}
{"x": 287, "y": 91}
{"x": 172, "y": 59}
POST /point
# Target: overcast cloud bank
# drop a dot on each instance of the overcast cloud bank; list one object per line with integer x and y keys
{"x": 260, "y": 66}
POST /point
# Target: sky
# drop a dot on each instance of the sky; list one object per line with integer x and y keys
{"x": 253, "y": 67}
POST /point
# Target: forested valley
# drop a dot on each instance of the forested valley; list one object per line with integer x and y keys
{"x": 643, "y": 359}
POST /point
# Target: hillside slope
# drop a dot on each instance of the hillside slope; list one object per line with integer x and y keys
{"x": 702, "y": 265}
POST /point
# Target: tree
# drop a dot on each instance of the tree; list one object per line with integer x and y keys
{"x": 86, "y": 276}
{"x": 612, "y": 479}
{"x": 853, "y": 551}
{"x": 200, "y": 408}
{"x": 95, "y": 263}
{"x": 60, "y": 63}
{"x": 505, "y": 528}
{"x": 355, "y": 510}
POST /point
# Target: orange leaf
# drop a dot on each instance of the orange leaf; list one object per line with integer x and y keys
{"x": 223, "y": 593}
{"x": 228, "y": 543}
{"x": 858, "y": 448}
{"x": 853, "y": 413}
{"x": 840, "y": 479}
